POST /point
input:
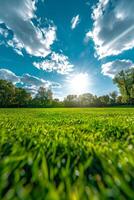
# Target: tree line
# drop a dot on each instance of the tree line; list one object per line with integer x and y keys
{"x": 12, "y": 96}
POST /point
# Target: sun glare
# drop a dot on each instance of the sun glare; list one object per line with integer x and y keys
{"x": 79, "y": 83}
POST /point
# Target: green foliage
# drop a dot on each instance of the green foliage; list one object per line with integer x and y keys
{"x": 67, "y": 154}
{"x": 11, "y": 96}
{"x": 88, "y": 100}
{"x": 43, "y": 97}
{"x": 22, "y": 98}
{"x": 7, "y": 93}
{"x": 125, "y": 83}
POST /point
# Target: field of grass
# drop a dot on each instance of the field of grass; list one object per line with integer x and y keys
{"x": 67, "y": 154}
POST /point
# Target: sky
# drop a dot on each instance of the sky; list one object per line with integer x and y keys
{"x": 70, "y": 46}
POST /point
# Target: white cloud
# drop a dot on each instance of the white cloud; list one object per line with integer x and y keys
{"x": 58, "y": 63}
{"x": 27, "y": 81}
{"x": 75, "y": 21}
{"x": 32, "y": 80}
{"x": 4, "y": 32}
{"x": 112, "y": 68}
{"x": 113, "y": 28}
{"x": 88, "y": 36}
{"x": 6, "y": 74}
{"x": 17, "y": 17}
{"x": 33, "y": 83}
{"x": 16, "y": 45}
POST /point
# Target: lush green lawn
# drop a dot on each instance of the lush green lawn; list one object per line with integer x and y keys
{"x": 72, "y": 154}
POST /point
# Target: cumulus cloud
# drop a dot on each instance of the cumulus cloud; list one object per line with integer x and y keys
{"x": 18, "y": 17}
{"x": 58, "y": 63}
{"x": 27, "y": 81}
{"x": 113, "y": 28}
{"x": 75, "y": 21}
{"x": 4, "y": 32}
{"x": 112, "y": 68}
{"x": 16, "y": 45}
{"x": 88, "y": 36}
{"x": 32, "y": 83}
{"x": 32, "y": 80}
{"x": 6, "y": 74}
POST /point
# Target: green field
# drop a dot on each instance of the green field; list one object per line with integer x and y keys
{"x": 67, "y": 154}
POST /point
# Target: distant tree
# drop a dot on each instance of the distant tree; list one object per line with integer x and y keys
{"x": 86, "y": 99}
{"x": 11, "y": 96}
{"x": 22, "y": 97}
{"x": 7, "y": 93}
{"x": 57, "y": 103}
{"x": 49, "y": 95}
{"x": 106, "y": 99}
{"x": 103, "y": 100}
{"x": 56, "y": 100}
{"x": 96, "y": 101}
{"x": 125, "y": 82}
{"x": 119, "y": 100}
{"x": 71, "y": 101}
{"x": 113, "y": 96}
{"x": 43, "y": 97}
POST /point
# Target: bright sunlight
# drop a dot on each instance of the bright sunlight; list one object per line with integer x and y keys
{"x": 79, "y": 83}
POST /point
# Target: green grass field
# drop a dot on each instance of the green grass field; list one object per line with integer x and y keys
{"x": 67, "y": 154}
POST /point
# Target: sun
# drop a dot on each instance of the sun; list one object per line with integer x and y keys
{"x": 79, "y": 83}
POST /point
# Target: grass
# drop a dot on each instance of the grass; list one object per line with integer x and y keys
{"x": 67, "y": 154}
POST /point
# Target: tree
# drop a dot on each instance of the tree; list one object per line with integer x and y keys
{"x": 86, "y": 99}
{"x": 103, "y": 100}
{"x": 113, "y": 96}
{"x": 11, "y": 96}
{"x": 119, "y": 100}
{"x": 44, "y": 97}
{"x": 125, "y": 81}
{"x": 71, "y": 101}
{"x": 7, "y": 93}
{"x": 57, "y": 103}
{"x": 22, "y": 97}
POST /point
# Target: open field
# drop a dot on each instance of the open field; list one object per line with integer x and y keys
{"x": 72, "y": 154}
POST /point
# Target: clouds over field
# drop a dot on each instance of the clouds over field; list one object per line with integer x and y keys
{"x": 112, "y": 68}
{"x": 9, "y": 76}
{"x": 27, "y": 81}
{"x": 112, "y": 33}
{"x": 18, "y": 17}
{"x": 113, "y": 27}
{"x": 29, "y": 34}
{"x": 58, "y": 63}
{"x": 55, "y": 39}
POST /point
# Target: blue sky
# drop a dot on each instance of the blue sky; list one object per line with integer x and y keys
{"x": 47, "y": 43}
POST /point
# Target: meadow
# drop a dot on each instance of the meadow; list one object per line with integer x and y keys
{"x": 67, "y": 154}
